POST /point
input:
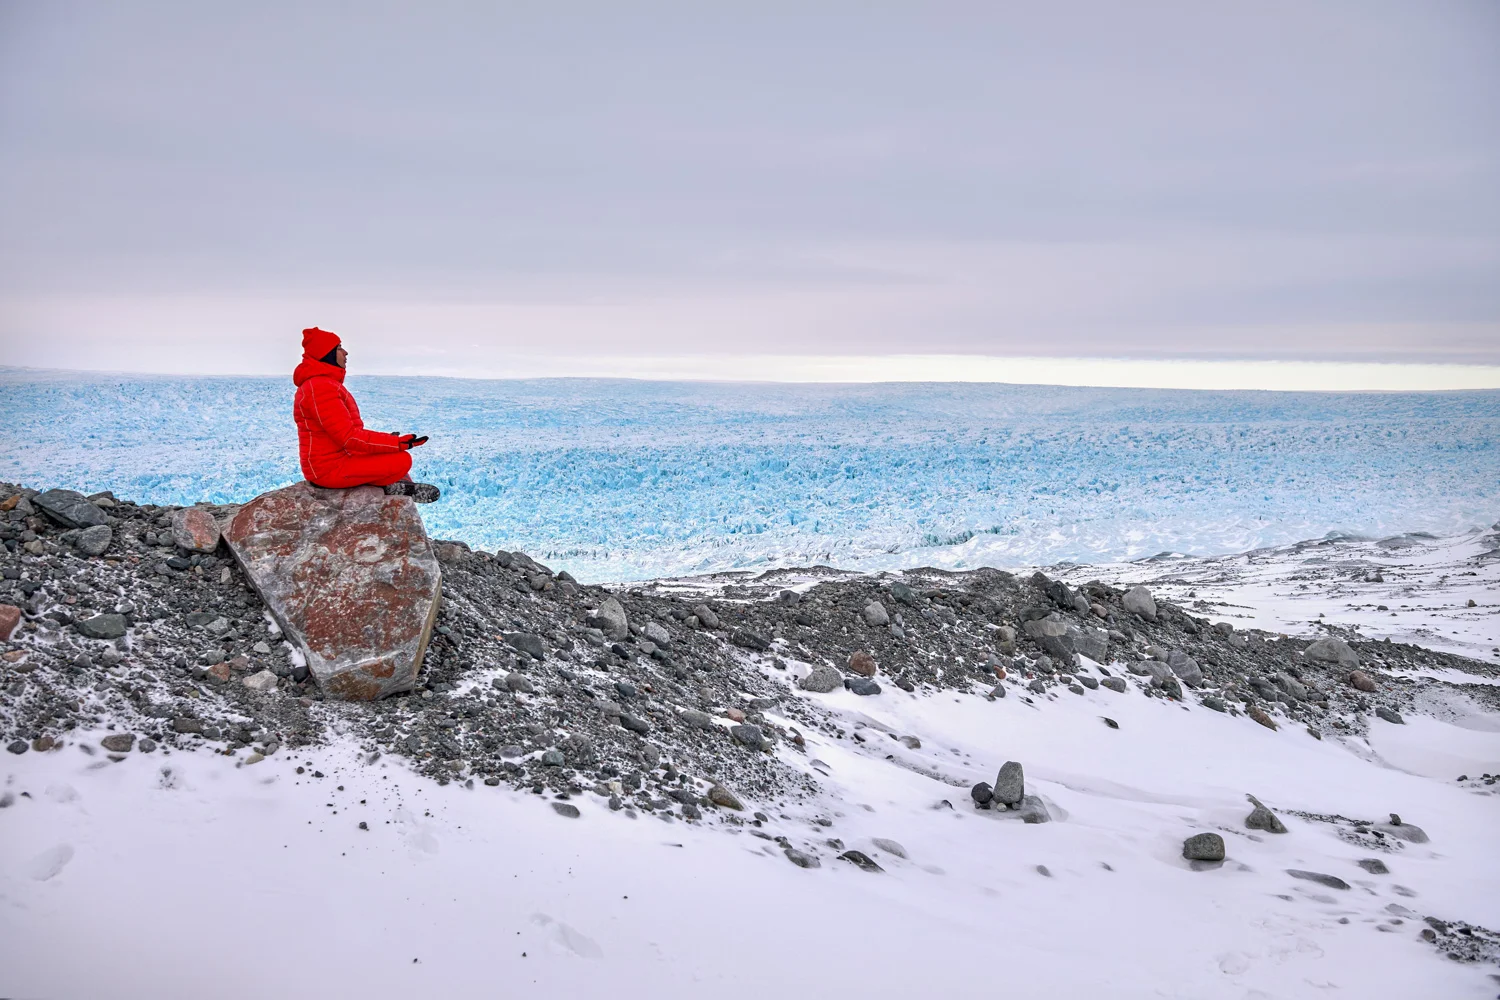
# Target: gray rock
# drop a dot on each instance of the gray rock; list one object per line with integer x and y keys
{"x": 750, "y": 736}
{"x": 721, "y": 796}
{"x": 1292, "y": 686}
{"x": 902, "y": 593}
{"x": 1403, "y": 831}
{"x": 1091, "y": 642}
{"x": 1051, "y": 627}
{"x": 1261, "y": 818}
{"x": 982, "y": 794}
{"x": 118, "y": 742}
{"x": 1185, "y": 667}
{"x": 1389, "y": 715}
{"x": 889, "y": 846}
{"x": 1116, "y": 684}
{"x": 1203, "y": 847}
{"x": 822, "y": 679}
{"x": 1138, "y": 601}
{"x": 1214, "y": 702}
{"x": 17, "y": 746}
{"x": 634, "y": 723}
{"x": 801, "y": 860}
{"x": 1332, "y": 651}
{"x": 749, "y": 639}
{"x": 94, "y": 541}
{"x": 862, "y": 685}
{"x": 1332, "y": 881}
{"x": 261, "y": 682}
{"x": 109, "y": 626}
{"x": 526, "y": 642}
{"x": 875, "y": 614}
{"x": 1092, "y": 683}
{"x": 706, "y": 615}
{"x": 567, "y": 809}
{"x": 69, "y": 508}
{"x": 1374, "y": 866}
{"x": 554, "y": 758}
{"x": 696, "y": 719}
{"x": 612, "y": 621}
{"x": 658, "y": 634}
{"x": 861, "y": 860}
{"x": 519, "y": 683}
{"x": 1032, "y": 809}
{"x": 1037, "y": 686}
{"x": 1010, "y": 783}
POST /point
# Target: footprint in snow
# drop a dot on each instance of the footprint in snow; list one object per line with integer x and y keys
{"x": 62, "y": 793}
{"x": 50, "y": 862}
{"x": 568, "y": 938}
{"x": 417, "y": 835}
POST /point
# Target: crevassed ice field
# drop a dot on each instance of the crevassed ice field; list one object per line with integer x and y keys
{"x": 620, "y": 480}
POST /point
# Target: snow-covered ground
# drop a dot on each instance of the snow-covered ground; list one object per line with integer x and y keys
{"x": 197, "y": 875}
{"x": 1441, "y": 593}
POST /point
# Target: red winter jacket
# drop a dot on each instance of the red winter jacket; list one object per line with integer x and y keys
{"x": 329, "y": 429}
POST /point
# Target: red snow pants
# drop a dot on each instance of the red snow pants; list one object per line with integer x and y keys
{"x": 365, "y": 470}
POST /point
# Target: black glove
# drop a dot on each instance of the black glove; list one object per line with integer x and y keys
{"x": 410, "y": 441}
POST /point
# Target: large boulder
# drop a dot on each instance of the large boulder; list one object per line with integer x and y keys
{"x": 1010, "y": 784}
{"x": 351, "y": 578}
{"x": 822, "y": 679}
{"x": 611, "y": 620}
{"x": 1185, "y": 667}
{"x": 1335, "y": 652}
{"x": 69, "y": 508}
{"x": 1138, "y": 601}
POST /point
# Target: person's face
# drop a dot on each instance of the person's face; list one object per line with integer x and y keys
{"x": 343, "y": 357}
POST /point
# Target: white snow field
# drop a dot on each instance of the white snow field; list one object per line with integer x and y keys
{"x": 194, "y": 875}
{"x": 624, "y": 480}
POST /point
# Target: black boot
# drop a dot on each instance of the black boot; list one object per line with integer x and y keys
{"x": 419, "y": 492}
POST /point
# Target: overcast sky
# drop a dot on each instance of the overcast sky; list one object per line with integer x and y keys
{"x": 454, "y": 186}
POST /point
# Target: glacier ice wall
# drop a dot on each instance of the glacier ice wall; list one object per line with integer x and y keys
{"x": 617, "y": 480}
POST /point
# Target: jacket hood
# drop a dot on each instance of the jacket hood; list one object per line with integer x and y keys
{"x": 310, "y": 368}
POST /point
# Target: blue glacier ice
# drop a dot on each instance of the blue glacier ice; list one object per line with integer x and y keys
{"x": 620, "y": 480}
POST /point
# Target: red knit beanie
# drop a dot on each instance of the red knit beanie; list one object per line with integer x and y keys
{"x": 317, "y": 343}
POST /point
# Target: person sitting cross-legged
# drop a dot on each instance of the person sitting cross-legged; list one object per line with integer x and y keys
{"x": 336, "y": 449}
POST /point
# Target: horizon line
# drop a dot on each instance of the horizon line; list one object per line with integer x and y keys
{"x": 1269, "y": 375}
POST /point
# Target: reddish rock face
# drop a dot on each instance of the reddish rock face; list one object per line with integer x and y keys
{"x": 862, "y": 663}
{"x": 195, "y": 529}
{"x": 10, "y": 620}
{"x": 350, "y": 577}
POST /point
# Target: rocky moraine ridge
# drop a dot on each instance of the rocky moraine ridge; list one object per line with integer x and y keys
{"x": 118, "y": 614}
{"x": 664, "y": 698}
